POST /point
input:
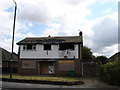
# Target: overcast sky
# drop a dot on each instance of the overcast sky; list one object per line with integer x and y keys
{"x": 97, "y": 19}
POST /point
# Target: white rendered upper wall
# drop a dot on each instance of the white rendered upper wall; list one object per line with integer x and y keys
{"x": 40, "y": 53}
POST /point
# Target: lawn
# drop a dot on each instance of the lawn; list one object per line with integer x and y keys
{"x": 43, "y": 78}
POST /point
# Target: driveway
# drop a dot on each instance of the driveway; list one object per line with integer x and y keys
{"x": 94, "y": 82}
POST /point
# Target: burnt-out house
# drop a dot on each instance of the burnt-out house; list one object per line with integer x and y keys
{"x": 50, "y": 55}
{"x": 6, "y": 59}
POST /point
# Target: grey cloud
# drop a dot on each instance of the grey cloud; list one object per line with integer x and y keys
{"x": 34, "y": 13}
{"x": 74, "y": 2}
{"x": 106, "y": 34}
{"x": 62, "y": 33}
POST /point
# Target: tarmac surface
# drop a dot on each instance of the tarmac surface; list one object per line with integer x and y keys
{"x": 89, "y": 83}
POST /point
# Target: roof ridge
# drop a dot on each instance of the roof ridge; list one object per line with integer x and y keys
{"x": 60, "y": 39}
{"x": 53, "y": 37}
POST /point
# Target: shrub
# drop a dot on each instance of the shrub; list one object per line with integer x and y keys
{"x": 110, "y": 72}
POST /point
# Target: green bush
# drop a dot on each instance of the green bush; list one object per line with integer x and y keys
{"x": 110, "y": 72}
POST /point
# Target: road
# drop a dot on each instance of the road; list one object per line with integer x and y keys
{"x": 92, "y": 84}
{"x": 26, "y": 85}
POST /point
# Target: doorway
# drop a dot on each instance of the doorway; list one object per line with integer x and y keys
{"x": 46, "y": 68}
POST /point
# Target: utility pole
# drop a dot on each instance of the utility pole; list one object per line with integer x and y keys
{"x": 11, "y": 66}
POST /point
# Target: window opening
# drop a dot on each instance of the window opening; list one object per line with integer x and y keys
{"x": 24, "y": 47}
{"x": 29, "y": 47}
{"x": 47, "y": 46}
{"x": 34, "y": 47}
{"x": 64, "y": 46}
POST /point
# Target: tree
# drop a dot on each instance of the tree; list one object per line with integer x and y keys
{"x": 87, "y": 53}
{"x": 101, "y": 59}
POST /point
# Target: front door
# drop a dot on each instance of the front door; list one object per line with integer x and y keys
{"x": 46, "y": 68}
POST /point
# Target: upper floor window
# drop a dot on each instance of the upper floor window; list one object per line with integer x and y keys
{"x": 64, "y": 46}
{"x": 47, "y": 46}
{"x": 29, "y": 47}
{"x": 24, "y": 47}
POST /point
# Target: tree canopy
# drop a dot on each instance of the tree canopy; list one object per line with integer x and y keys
{"x": 87, "y": 53}
{"x": 88, "y": 56}
{"x": 101, "y": 59}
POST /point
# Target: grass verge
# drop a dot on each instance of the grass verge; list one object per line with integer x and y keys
{"x": 45, "y": 79}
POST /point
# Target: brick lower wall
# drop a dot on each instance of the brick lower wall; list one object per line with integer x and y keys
{"x": 26, "y": 71}
{"x": 63, "y": 73}
{"x": 77, "y": 69}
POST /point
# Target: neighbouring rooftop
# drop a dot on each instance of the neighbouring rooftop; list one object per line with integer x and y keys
{"x": 6, "y": 56}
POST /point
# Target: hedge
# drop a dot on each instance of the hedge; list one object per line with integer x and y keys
{"x": 110, "y": 72}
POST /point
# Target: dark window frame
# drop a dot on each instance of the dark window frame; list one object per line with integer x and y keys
{"x": 29, "y": 47}
{"x": 47, "y": 46}
{"x": 65, "y": 46}
{"x": 24, "y": 47}
{"x": 34, "y": 47}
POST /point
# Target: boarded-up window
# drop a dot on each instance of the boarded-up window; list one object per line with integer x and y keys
{"x": 29, "y": 64}
{"x": 66, "y": 65}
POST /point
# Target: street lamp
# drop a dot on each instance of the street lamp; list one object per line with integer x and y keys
{"x": 13, "y": 40}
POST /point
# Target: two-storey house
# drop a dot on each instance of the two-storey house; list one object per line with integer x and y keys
{"x": 50, "y": 55}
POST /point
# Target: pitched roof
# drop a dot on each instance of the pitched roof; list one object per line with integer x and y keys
{"x": 114, "y": 57}
{"x": 6, "y": 56}
{"x": 51, "y": 40}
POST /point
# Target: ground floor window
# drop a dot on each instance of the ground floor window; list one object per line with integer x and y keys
{"x": 66, "y": 65}
{"x": 31, "y": 64}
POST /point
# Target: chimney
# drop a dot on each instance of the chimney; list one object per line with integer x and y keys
{"x": 49, "y": 36}
{"x": 80, "y": 33}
